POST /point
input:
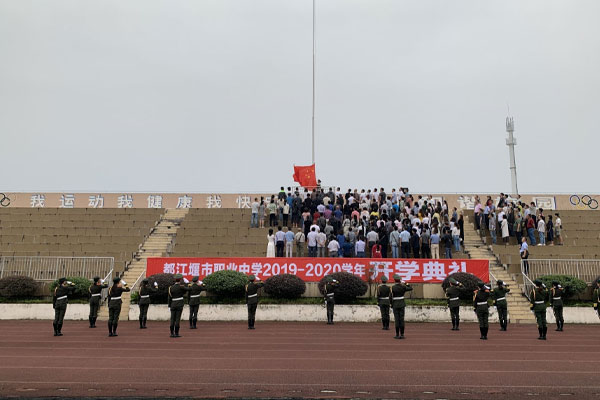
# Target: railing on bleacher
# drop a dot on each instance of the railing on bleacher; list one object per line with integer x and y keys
{"x": 47, "y": 269}
{"x": 107, "y": 280}
{"x": 586, "y": 270}
{"x": 136, "y": 285}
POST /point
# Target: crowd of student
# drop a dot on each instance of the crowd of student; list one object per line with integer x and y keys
{"x": 369, "y": 223}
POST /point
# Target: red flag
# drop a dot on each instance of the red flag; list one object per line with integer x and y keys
{"x": 305, "y": 175}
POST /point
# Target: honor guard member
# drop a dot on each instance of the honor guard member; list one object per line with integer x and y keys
{"x": 501, "y": 304}
{"x": 114, "y": 304}
{"x": 398, "y": 304}
{"x": 59, "y": 303}
{"x": 196, "y": 287}
{"x": 538, "y": 298}
{"x": 95, "y": 291}
{"x": 453, "y": 296}
{"x": 596, "y": 298}
{"x": 557, "y": 304}
{"x": 176, "y": 292}
{"x": 482, "y": 308}
{"x": 145, "y": 291}
{"x": 252, "y": 299}
{"x": 330, "y": 286}
{"x": 383, "y": 299}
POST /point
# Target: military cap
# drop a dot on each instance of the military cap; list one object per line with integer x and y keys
{"x": 62, "y": 280}
{"x": 481, "y": 285}
{"x": 500, "y": 282}
{"x": 116, "y": 280}
{"x": 96, "y": 279}
{"x": 555, "y": 283}
{"x": 145, "y": 280}
{"x": 328, "y": 279}
{"x": 195, "y": 279}
{"x": 537, "y": 282}
{"x": 178, "y": 277}
{"x": 397, "y": 277}
{"x": 251, "y": 277}
{"x": 453, "y": 281}
{"x": 384, "y": 279}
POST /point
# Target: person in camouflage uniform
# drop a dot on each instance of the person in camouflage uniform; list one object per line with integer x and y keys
{"x": 556, "y": 301}
{"x": 482, "y": 308}
{"x": 398, "y": 304}
{"x": 538, "y": 298}
{"x": 252, "y": 299}
{"x": 60, "y": 299}
{"x": 499, "y": 295}
{"x": 175, "y": 302}
{"x": 383, "y": 300}
{"x": 596, "y": 298}
{"x": 95, "y": 293}
{"x": 453, "y": 297}
{"x": 145, "y": 291}
{"x": 196, "y": 288}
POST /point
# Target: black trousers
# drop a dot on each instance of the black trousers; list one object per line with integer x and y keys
{"x": 455, "y": 315}
{"x": 113, "y": 313}
{"x": 59, "y": 314}
{"x": 425, "y": 251}
{"x": 384, "y": 250}
{"x": 144, "y": 311}
{"x": 94, "y": 307}
{"x": 482, "y": 316}
{"x": 405, "y": 250}
{"x": 385, "y": 315}
{"x": 558, "y": 314}
{"x": 415, "y": 252}
{"x": 330, "y": 307}
{"x": 176, "y": 316}
{"x": 540, "y": 318}
{"x": 279, "y": 248}
{"x": 194, "y": 312}
{"x": 252, "y": 314}
{"x": 399, "y": 317}
{"x": 272, "y": 219}
{"x": 502, "y": 315}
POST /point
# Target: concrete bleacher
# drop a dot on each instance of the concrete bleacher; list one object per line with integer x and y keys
{"x": 77, "y": 232}
{"x": 581, "y": 238}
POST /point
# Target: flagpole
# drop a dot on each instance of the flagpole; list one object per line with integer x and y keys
{"x": 313, "y": 81}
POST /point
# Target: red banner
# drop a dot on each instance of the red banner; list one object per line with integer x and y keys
{"x": 313, "y": 269}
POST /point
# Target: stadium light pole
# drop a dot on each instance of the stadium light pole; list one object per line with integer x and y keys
{"x": 314, "y": 15}
{"x": 511, "y": 143}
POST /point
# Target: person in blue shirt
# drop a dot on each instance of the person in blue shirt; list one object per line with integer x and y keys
{"x": 289, "y": 242}
{"x": 405, "y": 243}
{"x": 341, "y": 240}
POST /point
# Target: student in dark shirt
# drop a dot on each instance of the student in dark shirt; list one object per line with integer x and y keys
{"x": 447, "y": 241}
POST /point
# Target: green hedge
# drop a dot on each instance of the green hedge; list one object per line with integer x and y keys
{"x": 349, "y": 288}
{"x": 470, "y": 284}
{"x": 285, "y": 286}
{"x": 164, "y": 282}
{"x": 226, "y": 283}
{"x": 572, "y": 286}
{"x": 82, "y": 286}
{"x": 18, "y": 287}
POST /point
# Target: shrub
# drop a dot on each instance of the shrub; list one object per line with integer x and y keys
{"x": 285, "y": 286}
{"x": 82, "y": 286}
{"x": 164, "y": 282}
{"x": 572, "y": 286}
{"x": 17, "y": 286}
{"x": 226, "y": 283}
{"x": 470, "y": 284}
{"x": 349, "y": 288}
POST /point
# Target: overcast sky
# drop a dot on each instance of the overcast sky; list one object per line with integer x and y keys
{"x": 215, "y": 95}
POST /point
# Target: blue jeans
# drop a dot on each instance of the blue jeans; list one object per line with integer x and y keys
{"x": 395, "y": 251}
{"x": 448, "y": 252}
{"x": 254, "y": 220}
{"x": 360, "y": 254}
{"x": 542, "y": 238}
{"x": 494, "y": 237}
{"x": 531, "y": 236}
{"x": 456, "y": 243}
{"x": 312, "y": 251}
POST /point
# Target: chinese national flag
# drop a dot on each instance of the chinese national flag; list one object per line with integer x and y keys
{"x": 305, "y": 176}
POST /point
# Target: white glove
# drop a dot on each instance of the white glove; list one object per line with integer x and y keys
{"x": 200, "y": 283}
{"x": 155, "y": 284}
{"x": 185, "y": 280}
{"x": 123, "y": 282}
{"x": 69, "y": 283}
{"x": 102, "y": 281}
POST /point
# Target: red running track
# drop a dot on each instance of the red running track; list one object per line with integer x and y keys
{"x": 297, "y": 360}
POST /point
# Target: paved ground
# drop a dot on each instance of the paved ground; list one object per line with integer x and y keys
{"x": 298, "y": 360}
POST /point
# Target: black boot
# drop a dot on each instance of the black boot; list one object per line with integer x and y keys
{"x": 191, "y": 323}
{"x": 94, "y": 321}
{"x": 115, "y": 329}
{"x": 481, "y": 333}
{"x": 172, "y": 327}
{"x": 557, "y": 326}
{"x": 485, "y": 332}
{"x": 55, "y": 329}
{"x": 177, "y": 332}
{"x": 387, "y": 325}
{"x": 110, "y": 332}
{"x": 545, "y": 330}
{"x": 397, "y": 333}
{"x": 401, "y": 332}
{"x": 59, "y": 329}
{"x": 541, "y": 332}
{"x": 91, "y": 319}
{"x": 457, "y": 323}
{"x": 562, "y": 324}
{"x": 141, "y": 323}
{"x": 145, "y": 320}
{"x": 453, "y": 323}
{"x": 195, "y": 323}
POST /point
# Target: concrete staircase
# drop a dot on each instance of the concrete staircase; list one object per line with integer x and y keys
{"x": 518, "y": 305}
{"x": 158, "y": 244}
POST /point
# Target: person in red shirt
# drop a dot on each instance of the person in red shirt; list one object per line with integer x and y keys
{"x": 531, "y": 230}
{"x": 376, "y": 251}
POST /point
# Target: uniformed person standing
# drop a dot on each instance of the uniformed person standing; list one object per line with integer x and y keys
{"x": 482, "y": 308}
{"x": 114, "y": 304}
{"x": 252, "y": 299}
{"x": 538, "y": 298}
{"x": 330, "y": 286}
{"x": 398, "y": 304}
{"x": 95, "y": 291}
{"x": 383, "y": 299}
{"x": 596, "y": 298}
{"x": 557, "y": 304}
{"x": 453, "y": 296}
{"x": 501, "y": 304}
{"x": 59, "y": 303}
{"x": 145, "y": 290}
{"x": 196, "y": 287}
{"x": 176, "y": 293}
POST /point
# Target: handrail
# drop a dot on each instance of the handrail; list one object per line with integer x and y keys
{"x": 104, "y": 292}
{"x": 585, "y": 269}
{"x": 137, "y": 281}
{"x": 527, "y": 283}
{"x": 493, "y": 279}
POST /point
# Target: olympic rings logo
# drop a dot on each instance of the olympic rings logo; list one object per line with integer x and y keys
{"x": 583, "y": 202}
{"x": 4, "y": 200}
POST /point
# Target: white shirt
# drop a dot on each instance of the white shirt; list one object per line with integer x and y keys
{"x": 255, "y": 207}
{"x": 299, "y": 237}
{"x": 333, "y": 246}
{"x": 280, "y": 236}
{"x": 312, "y": 239}
{"x": 321, "y": 239}
{"x": 541, "y": 226}
{"x": 524, "y": 246}
{"x": 316, "y": 228}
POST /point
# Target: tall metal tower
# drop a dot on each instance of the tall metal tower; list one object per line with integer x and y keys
{"x": 511, "y": 142}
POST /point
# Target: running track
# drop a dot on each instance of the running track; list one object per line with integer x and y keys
{"x": 298, "y": 360}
